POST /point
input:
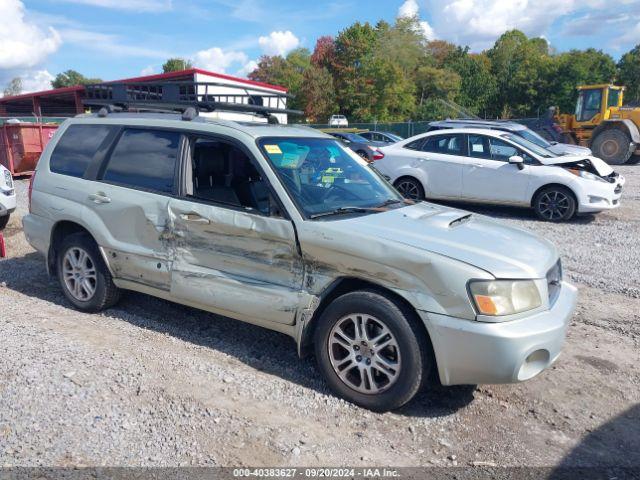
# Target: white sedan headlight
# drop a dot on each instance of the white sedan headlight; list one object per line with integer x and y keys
{"x": 585, "y": 174}
{"x": 504, "y": 297}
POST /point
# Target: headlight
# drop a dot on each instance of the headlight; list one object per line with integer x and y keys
{"x": 585, "y": 174}
{"x": 504, "y": 297}
{"x": 7, "y": 178}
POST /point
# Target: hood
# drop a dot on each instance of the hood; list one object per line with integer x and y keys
{"x": 599, "y": 166}
{"x": 503, "y": 251}
{"x": 568, "y": 149}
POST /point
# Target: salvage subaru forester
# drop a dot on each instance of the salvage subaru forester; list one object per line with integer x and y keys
{"x": 283, "y": 227}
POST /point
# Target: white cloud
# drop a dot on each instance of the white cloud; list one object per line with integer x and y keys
{"x": 150, "y": 70}
{"x": 136, "y": 5}
{"x": 36, "y": 81}
{"x": 248, "y": 67}
{"x": 408, "y": 9}
{"x": 23, "y": 44}
{"x": 217, "y": 60}
{"x": 278, "y": 43}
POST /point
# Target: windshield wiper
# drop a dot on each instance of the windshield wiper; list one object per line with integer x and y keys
{"x": 341, "y": 210}
{"x": 386, "y": 203}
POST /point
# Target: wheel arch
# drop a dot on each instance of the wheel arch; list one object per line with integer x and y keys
{"x": 342, "y": 286}
{"x": 555, "y": 184}
{"x": 59, "y": 231}
{"x": 625, "y": 125}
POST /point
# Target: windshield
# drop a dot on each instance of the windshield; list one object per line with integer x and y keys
{"x": 534, "y": 138}
{"x": 394, "y": 137}
{"x": 322, "y": 176}
{"x": 532, "y": 147}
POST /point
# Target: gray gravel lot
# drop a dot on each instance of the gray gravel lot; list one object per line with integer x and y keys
{"x": 153, "y": 383}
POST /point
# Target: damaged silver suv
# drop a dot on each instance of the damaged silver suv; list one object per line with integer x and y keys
{"x": 283, "y": 227}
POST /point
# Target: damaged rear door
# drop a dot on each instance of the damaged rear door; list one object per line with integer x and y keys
{"x": 234, "y": 253}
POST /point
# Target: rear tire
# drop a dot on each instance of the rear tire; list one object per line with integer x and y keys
{"x": 410, "y": 188}
{"x": 4, "y": 220}
{"x": 83, "y": 275}
{"x": 379, "y": 364}
{"x": 555, "y": 204}
{"x": 612, "y": 146}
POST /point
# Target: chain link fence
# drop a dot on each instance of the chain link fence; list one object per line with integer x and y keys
{"x": 404, "y": 129}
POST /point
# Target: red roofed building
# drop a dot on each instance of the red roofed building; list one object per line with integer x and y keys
{"x": 67, "y": 102}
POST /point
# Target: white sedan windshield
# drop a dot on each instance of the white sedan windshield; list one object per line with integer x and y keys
{"x": 532, "y": 147}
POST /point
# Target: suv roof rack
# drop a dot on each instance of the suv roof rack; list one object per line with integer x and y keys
{"x": 189, "y": 98}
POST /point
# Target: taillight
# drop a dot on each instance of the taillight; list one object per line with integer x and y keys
{"x": 377, "y": 155}
{"x": 33, "y": 177}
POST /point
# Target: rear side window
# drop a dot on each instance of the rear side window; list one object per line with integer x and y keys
{"x": 145, "y": 159}
{"x": 76, "y": 149}
{"x": 447, "y": 144}
{"x": 415, "y": 145}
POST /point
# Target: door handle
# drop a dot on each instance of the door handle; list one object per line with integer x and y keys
{"x": 99, "y": 197}
{"x": 194, "y": 217}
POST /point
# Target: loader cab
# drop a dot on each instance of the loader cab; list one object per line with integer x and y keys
{"x": 594, "y": 100}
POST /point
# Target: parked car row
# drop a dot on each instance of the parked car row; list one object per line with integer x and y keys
{"x": 286, "y": 228}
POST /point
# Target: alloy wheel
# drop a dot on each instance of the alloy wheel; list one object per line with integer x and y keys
{"x": 79, "y": 274}
{"x": 408, "y": 190}
{"x": 554, "y": 205}
{"x": 364, "y": 353}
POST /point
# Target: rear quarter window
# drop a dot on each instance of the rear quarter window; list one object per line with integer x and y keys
{"x": 76, "y": 149}
{"x": 144, "y": 159}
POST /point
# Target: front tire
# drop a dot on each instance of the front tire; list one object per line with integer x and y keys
{"x": 612, "y": 146}
{"x": 555, "y": 204}
{"x": 372, "y": 350}
{"x": 83, "y": 275}
{"x": 4, "y": 220}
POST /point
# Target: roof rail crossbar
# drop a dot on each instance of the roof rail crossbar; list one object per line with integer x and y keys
{"x": 180, "y": 96}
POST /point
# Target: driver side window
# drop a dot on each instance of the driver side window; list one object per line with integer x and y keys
{"x": 221, "y": 173}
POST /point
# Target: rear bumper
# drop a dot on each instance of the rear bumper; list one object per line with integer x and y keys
{"x": 37, "y": 231}
{"x": 472, "y": 352}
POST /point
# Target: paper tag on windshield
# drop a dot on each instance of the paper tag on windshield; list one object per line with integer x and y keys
{"x": 272, "y": 149}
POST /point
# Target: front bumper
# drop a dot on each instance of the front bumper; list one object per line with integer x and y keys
{"x": 7, "y": 201}
{"x": 601, "y": 196}
{"x": 472, "y": 352}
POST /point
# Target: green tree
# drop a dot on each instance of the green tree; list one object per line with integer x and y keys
{"x": 478, "y": 87}
{"x": 71, "y": 78}
{"x": 176, "y": 65}
{"x": 286, "y": 72}
{"x": 573, "y": 68}
{"x": 629, "y": 74}
{"x": 14, "y": 87}
{"x": 318, "y": 94}
{"x": 522, "y": 68}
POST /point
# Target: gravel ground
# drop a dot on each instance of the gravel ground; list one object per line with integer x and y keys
{"x": 153, "y": 383}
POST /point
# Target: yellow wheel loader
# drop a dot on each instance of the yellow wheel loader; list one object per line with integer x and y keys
{"x": 601, "y": 122}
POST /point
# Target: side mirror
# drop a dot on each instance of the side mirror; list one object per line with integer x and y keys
{"x": 517, "y": 160}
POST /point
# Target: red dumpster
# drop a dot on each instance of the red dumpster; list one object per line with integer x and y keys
{"x": 21, "y": 145}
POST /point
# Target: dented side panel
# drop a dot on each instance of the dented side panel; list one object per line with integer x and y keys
{"x": 133, "y": 226}
{"x": 242, "y": 264}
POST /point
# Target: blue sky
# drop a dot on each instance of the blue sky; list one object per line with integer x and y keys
{"x": 118, "y": 38}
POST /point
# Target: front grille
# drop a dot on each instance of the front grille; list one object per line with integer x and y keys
{"x": 554, "y": 282}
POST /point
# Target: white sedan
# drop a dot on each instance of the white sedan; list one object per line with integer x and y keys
{"x": 7, "y": 196}
{"x": 489, "y": 166}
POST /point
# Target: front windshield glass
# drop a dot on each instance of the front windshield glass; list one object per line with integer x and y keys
{"x": 533, "y": 137}
{"x": 322, "y": 176}
{"x": 532, "y": 147}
